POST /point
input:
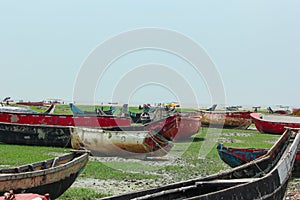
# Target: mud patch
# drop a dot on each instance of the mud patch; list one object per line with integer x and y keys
{"x": 229, "y": 140}
{"x": 237, "y": 134}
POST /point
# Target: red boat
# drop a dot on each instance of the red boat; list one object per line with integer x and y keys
{"x": 63, "y": 120}
{"x": 274, "y": 123}
{"x": 165, "y": 126}
{"x": 226, "y": 119}
{"x": 190, "y": 124}
{"x": 34, "y": 103}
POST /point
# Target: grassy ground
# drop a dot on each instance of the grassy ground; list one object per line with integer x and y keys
{"x": 204, "y": 143}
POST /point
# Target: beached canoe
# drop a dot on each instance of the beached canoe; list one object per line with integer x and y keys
{"x": 150, "y": 140}
{"x": 275, "y": 124}
{"x": 238, "y": 156}
{"x": 264, "y": 178}
{"x": 226, "y": 119}
{"x": 53, "y": 176}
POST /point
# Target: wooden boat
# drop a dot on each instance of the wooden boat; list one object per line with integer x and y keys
{"x": 63, "y": 120}
{"x": 189, "y": 123}
{"x": 60, "y": 136}
{"x": 143, "y": 117}
{"x": 53, "y": 176}
{"x": 226, "y": 119}
{"x": 133, "y": 141}
{"x": 264, "y": 178}
{"x": 137, "y": 144}
{"x": 32, "y": 103}
{"x": 98, "y": 112}
{"x": 282, "y": 112}
{"x": 238, "y": 156}
{"x": 270, "y": 123}
{"x": 37, "y": 135}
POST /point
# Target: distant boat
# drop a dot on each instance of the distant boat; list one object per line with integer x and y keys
{"x": 275, "y": 124}
{"x": 264, "y": 178}
{"x": 226, "y": 119}
{"x": 77, "y": 111}
{"x": 16, "y": 109}
{"x": 32, "y": 103}
{"x": 53, "y": 176}
{"x": 143, "y": 117}
{"x": 282, "y": 112}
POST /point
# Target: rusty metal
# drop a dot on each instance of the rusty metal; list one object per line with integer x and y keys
{"x": 226, "y": 119}
{"x": 264, "y": 178}
{"x": 42, "y": 177}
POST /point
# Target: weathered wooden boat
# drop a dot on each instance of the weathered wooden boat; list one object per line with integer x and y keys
{"x": 189, "y": 123}
{"x": 53, "y": 176}
{"x": 64, "y": 119}
{"x": 141, "y": 117}
{"x": 136, "y": 144}
{"x": 264, "y": 178}
{"x": 36, "y": 135}
{"x": 132, "y": 141}
{"x": 237, "y": 156}
{"x": 226, "y": 119}
{"x": 282, "y": 112}
{"x": 16, "y": 109}
{"x": 97, "y": 112}
{"x": 270, "y": 123}
{"x": 60, "y": 136}
{"x": 296, "y": 111}
{"x": 32, "y": 103}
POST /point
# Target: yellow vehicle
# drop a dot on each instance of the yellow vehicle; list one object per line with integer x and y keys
{"x": 173, "y": 104}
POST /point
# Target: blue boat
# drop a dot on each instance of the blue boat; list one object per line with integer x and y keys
{"x": 237, "y": 156}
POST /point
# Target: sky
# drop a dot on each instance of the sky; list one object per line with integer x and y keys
{"x": 252, "y": 48}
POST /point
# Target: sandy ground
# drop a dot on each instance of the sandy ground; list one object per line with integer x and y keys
{"x": 118, "y": 187}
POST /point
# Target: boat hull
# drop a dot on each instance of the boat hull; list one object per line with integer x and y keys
{"x": 126, "y": 143}
{"x": 238, "y": 156}
{"x": 189, "y": 125}
{"x": 226, "y": 119}
{"x": 275, "y": 124}
{"x": 58, "y": 175}
{"x": 64, "y": 120}
{"x": 37, "y": 135}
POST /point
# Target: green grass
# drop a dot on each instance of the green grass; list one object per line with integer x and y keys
{"x": 81, "y": 194}
{"x": 14, "y": 155}
{"x": 98, "y": 170}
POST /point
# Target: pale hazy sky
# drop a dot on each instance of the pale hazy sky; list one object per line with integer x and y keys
{"x": 255, "y": 46}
